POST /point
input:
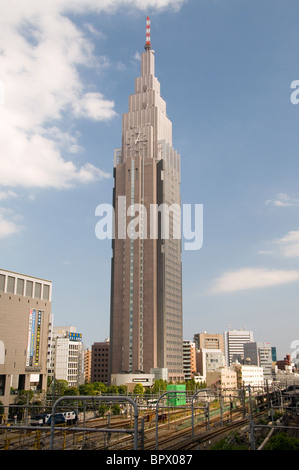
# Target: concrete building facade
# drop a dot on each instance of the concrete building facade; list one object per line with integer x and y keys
{"x": 146, "y": 284}
{"x": 25, "y": 308}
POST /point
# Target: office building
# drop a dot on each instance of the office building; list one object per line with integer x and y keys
{"x": 67, "y": 356}
{"x": 146, "y": 284}
{"x": 285, "y": 364}
{"x": 234, "y": 341}
{"x": 100, "y": 353}
{"x": 274, "y": 354}
{"x": 259, "y": 354}
{"x": 87, "y": 365}
{"x": 249, "y": 375}
{"x": 209, "y": 341}
{"x": 209, "y": 360}
{"x": 189, "y": 359}
{"x": 224, "y": 379}
{"x": 25, "y": 308}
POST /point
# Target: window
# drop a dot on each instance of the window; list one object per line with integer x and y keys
{"x": 46, "y": 292}
{"x": 2, "y": 282}
{"x": 29, "y": 288}
{"x": 38, "y": 290}
{"x": 2, "y": 385}
{"x": 20, "y": 286}
{"x": 10, "y": 285}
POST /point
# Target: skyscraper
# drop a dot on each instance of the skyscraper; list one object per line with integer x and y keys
{"x": 146, "y": 284}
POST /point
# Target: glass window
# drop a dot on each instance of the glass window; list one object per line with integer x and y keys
{"x": 46, "y": 292}
{"x": 29, "y": 288}
{"x": 10, "y": 285}
{"x": 38, "y": 290}
{"x": 2, "y": 282}
{"x": 20, "y": 286}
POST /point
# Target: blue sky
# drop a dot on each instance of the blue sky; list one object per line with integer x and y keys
{"x": 226, "y": 69}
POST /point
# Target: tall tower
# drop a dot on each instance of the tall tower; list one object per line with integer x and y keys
{"x": 146, "y": 285}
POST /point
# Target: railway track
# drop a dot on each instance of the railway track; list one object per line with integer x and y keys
{"x": 174, "y": 433}
{"x": 200, "y": 440}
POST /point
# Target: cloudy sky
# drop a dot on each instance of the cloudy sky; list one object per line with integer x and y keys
{"x": 229, "y": 72}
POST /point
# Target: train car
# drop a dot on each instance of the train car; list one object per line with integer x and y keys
{"x": 44, "y": 419}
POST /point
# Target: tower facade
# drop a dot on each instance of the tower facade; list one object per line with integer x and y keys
{"x": 146, "y": 284}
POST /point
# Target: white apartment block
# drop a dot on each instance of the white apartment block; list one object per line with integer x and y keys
{"x": 67, "y": 356}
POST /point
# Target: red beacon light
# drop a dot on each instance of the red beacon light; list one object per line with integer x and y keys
{"x": 148, "y": 34}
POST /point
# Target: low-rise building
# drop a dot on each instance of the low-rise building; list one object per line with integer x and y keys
{"x": 224, "y": 380}
{"x": 249, "y": 375}
{"x": 25, "y": 308}
{"x": 67, "y": 356}
{"x": 209, "y": 360}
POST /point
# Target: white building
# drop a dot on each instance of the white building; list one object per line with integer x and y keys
{"x": 249, "y": 375}
{"x": 66, "y": 356}
{"x": 209, "y": 360}
{"x": 234, "y": 341}
{"x": 130, "y": 380}
{"x": 224, "y": 379}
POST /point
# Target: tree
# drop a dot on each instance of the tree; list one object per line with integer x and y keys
{"x": 87, "y": 389}
{"x": 100, "y": 388}
{"x": 113, "y": 390}
{"x": 115, "y": 409}
{"x": 102, "y": 410}
{"x": 71, "y": 391}
{"x": 122, "y": 389}
{"x": 159, "y": 386}
{"x": 138, "y": 389}
{"x": 60, "y": 386}
{"x": 282, "y": 441}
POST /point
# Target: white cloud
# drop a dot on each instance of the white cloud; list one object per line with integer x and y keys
{"x": 289, "y": 244}
{"x": 41, "y": 52}
{"x": 283, "y": 200}
{"x": 94, "y": 106}
{"x": 7, "y": 195}
{"x": 252, "y": 278}
{"x": 7, "y": 225}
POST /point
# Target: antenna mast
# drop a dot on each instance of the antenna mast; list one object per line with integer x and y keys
{"x": 148, "y": 34}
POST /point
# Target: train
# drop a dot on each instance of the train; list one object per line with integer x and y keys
{"x": 64, "y": 417}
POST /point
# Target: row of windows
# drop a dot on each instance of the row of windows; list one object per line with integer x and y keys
{"x": 24, "y": 287}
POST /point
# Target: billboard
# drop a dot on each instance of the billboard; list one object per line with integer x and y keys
{"x": 75, "y": 336}
{"x": 34, "y": 337}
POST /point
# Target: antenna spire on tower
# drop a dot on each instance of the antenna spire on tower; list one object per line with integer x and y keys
{"x": 148, "y": 34}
